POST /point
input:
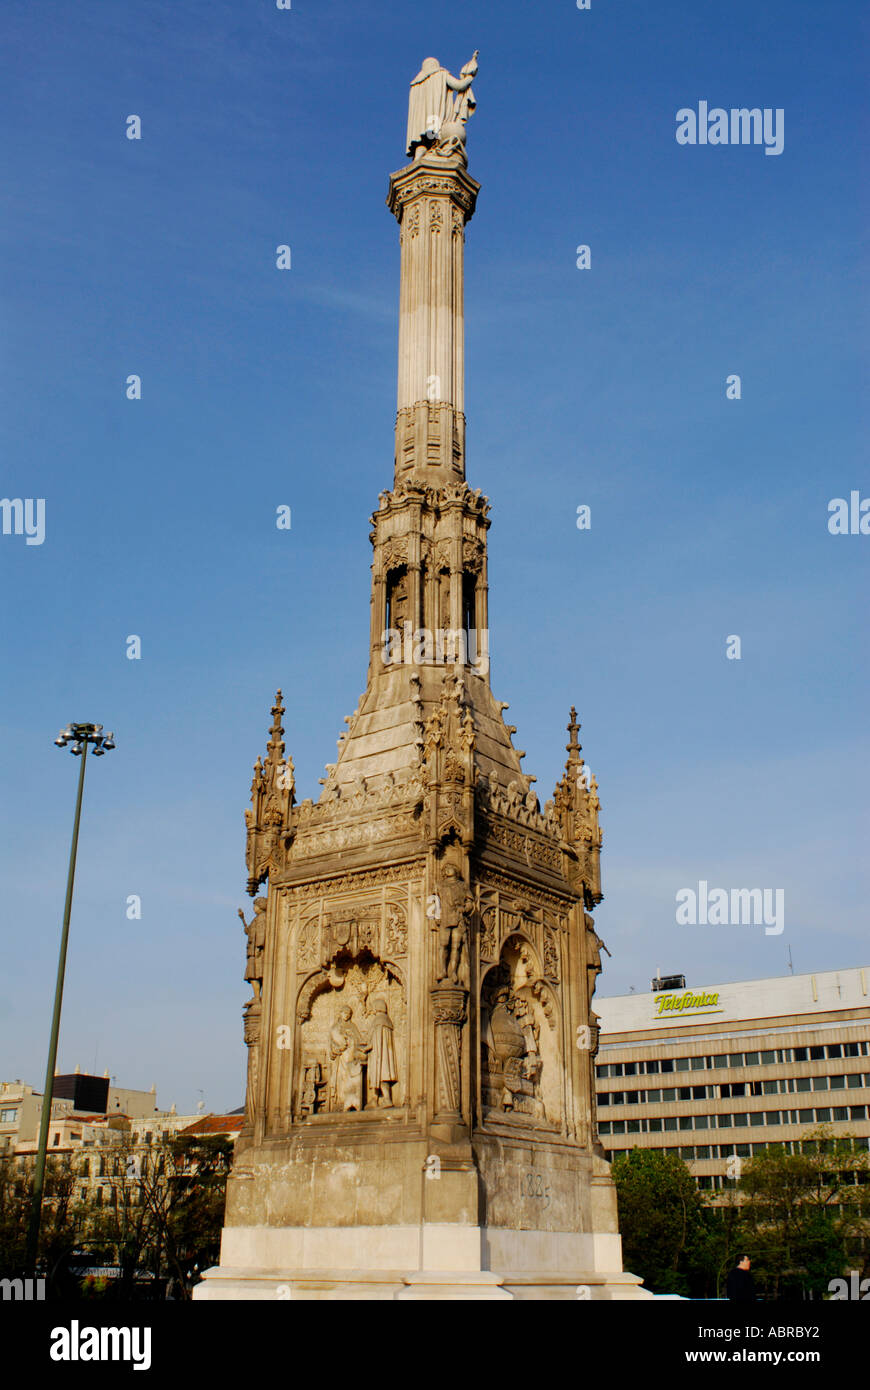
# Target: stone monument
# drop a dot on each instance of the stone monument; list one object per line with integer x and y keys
{"x": 420, "y": 1111}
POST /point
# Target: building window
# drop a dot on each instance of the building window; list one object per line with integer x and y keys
{"x": 721, "y": 1060}
{"x": 851, "y": 1050}
{"x": 652, "y": 1068}
{"x": 801, "y": 1054}
{"x": 741, "y": 1120}
{"x": 681, "y": 1063}
{"x": 667, "y": 1064}
{"x": 699, "y": 1063}
{"x": 823, "y": 1115}
{"x": 7, "y": 1117}
{"x": 669, "y": 1094}
{"x": 857, "y": 1112}
{"x": 841, "y": 1112}
{"x": 725, "y": 1121}
{"x": 604, "y": 1127}
{"x": 630, "y": 1068}
{"x": 735, "y": 1059}
{"x": 703, "y": 1151}
{"x": 752, "y": 1059}
{"x": 803, "y": 1084}
{"x": 820, "y": 1083}
{"x": 771, "y": 1117}
{"x": 838, "y": 1083}
{"x": 768, "y": 1059}
{"x": 653, "y": 1096}
{"x": 702, "y": 1121}
{"x": 670, "y": 1122}
{"x": 631, "y": 1097}
{"x": 632, "y": 1127}
{"x": 699, "y": 1093}
{"x": 835, "y": 1050}
{"x": 618, "y": 1127}
{"x": 655, "y": 1126}
{"x": 685, "y": 1122}
{"x": 769, "y": 1088}
{"x": 817, "y": 1054}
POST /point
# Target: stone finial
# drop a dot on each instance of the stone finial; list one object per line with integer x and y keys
{"x": 573, "y": 746}
{"x": 272, "y": 797}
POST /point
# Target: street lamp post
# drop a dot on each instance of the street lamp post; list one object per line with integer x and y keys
{"x": 81, "y": 736}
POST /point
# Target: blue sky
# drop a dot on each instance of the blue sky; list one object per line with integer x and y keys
{"x": 259, "y": 388}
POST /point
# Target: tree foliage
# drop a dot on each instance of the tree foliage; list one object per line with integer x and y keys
{"x": 156, "y": 1212}
{"x": 661, "y": 1217}
{"x": 806, "y": 1214}
{"x": 803, "y": 1218}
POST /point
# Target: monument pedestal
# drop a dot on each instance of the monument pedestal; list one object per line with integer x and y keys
{"x": 431, "y": 1261}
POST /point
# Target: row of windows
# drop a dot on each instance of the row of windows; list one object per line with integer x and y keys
{"x": 108, "y": 1196}
{"x": 717, "y": 1183}
{"x": 691, "y": 1152}
{"x": 820, "y": 1115}
{"x": 728, "y": 1089}
{"x": 772, "y": 1057}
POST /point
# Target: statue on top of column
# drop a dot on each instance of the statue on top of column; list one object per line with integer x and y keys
{"x": 435, "y": 119}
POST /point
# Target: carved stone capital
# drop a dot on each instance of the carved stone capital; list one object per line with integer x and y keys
{"x": 448, "y": 1004}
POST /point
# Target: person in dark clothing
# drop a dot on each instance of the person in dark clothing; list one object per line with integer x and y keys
{"x": 740, "y": 1285}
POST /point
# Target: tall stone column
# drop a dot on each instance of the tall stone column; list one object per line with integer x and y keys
{"x": 432, "y": 200}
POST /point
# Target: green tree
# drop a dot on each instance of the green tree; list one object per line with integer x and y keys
{"x": 63, "y": 1219}
{"x": 662, "y": 1218}
{"x": 807, "y": 1214}
{"x": 194, "y": 1203}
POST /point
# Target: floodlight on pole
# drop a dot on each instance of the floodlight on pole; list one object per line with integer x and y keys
{"x": 81, "y": 736}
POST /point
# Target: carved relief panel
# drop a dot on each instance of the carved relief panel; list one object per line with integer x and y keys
{"x": 352, "y": 1039}
{"x": 521, "y": 1073}
{"x": 351, "y": 1008}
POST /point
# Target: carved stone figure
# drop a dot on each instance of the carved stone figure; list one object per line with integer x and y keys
{"x": 430, "y": 104}
{"x": 311, "y": 1097}
{"x": 383, "y": 1073}
{"x": 464, "y": 102}
{"x": 255, "y": 930}
{"x": 594, "y": 948}
{"x": 347, "y": 1053}
{"x": 457, "y": 907}
{"x": 513, "y": 1062}
{"x": 252, "y": 1017}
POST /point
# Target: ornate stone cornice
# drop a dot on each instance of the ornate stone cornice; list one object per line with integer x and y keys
{"x": 432, "y": 175}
